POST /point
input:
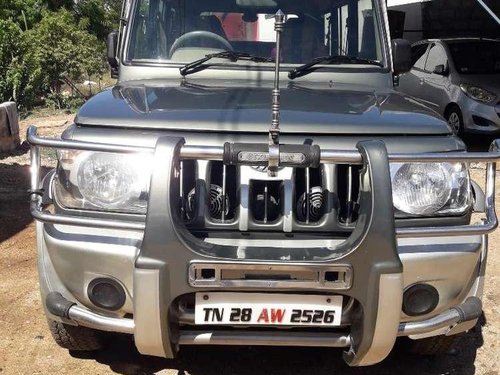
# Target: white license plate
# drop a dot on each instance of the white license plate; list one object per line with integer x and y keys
{"x": 267, "y": 309}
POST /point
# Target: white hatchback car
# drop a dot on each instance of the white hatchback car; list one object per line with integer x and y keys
{"x": 460, "y": 79}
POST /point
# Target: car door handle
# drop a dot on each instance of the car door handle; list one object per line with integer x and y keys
{"x": 422, "y": 81}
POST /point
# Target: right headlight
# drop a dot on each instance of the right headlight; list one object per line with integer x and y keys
{"x": 477, "y": 93}
{"x": 430, "y": 189}
{"x": 101, "y": 181}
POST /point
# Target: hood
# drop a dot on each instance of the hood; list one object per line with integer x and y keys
{"x": 490, "y": 82}
{"x": 305, "y": 109}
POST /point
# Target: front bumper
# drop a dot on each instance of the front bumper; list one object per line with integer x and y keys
{"x": 479, "y": 117}
{"x": 154, "y": 264}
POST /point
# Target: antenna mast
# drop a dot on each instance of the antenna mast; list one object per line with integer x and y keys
{"x": 274, "y": 131}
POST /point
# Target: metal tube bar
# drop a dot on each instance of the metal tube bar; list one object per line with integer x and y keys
{"x": 446, "y": 319}
{"x": 224, "y": 171}
{"x": 90, "y": 319}
{"x": 449, "y": 157}
{"x": 49, "y": 218}
{"x": 35, "y": 140}
{"x": 265, "y": 338}
{"x": 35, "y": 167}
{"x": 216, "y": 152}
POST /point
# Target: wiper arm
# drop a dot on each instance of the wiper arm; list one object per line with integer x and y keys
{"x": 198, "y": 65}
{"x": 339, "y": 59}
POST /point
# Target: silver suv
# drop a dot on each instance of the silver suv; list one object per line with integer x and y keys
{"x": 254, "y": 179}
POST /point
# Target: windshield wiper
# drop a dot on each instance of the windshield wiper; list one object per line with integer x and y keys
{"x": 339, "y": 59}
{"x": 198, "y": 65}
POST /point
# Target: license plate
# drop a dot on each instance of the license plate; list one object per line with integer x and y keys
{"x": 267, "y": 309}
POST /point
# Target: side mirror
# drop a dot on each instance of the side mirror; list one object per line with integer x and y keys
{"x": 401, "y": 54}
{"x": 440, "y": 70}
{"x": 112, "y": 44}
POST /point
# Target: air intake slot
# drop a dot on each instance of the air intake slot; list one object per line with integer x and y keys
{"x": 348, "y": 192}
{"x": 265, "y": 200}
{"x": 309, "y": 195}
{"x": 222, "y": 199}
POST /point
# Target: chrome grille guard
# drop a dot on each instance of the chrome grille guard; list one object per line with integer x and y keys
{"x": 211, "y": 153}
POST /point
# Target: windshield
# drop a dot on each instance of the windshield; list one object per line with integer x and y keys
{"x": 476, "y": 57}
{"x": 181, "y": 31}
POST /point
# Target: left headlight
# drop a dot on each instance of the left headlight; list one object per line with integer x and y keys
{"x": 430, "y": 189}
{"x": 479, "y": 94}
{"x": 103, "y": 181}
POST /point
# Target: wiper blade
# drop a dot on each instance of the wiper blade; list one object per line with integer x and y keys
{"x": 339, "y": 59}
{"x": 233, "y": 56}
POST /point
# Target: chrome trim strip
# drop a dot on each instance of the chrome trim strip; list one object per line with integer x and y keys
{"x": 90, "y": 319}
{"x": 265, "y": 338}
{"x": 219, "y": 282}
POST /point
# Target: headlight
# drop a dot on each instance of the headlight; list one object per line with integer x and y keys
{"x": 429, "y": 189}
{"x": 477, "y": 93}
{"x": 103, "y": 181}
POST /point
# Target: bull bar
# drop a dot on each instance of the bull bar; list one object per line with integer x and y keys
{"x": 187, "y": 152}
{"x": 380, "y": 300}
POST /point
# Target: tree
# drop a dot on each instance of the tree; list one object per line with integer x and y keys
{"x": 64, "y": 50}
{"x": 44, "y": 42}
{"x": 99, "y": 17}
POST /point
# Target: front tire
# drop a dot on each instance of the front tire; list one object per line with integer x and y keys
{"x": 455, "y": 120}
{"x": 75, "y": 338}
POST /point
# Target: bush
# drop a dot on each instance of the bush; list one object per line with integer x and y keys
{"x": 34, "y": 63}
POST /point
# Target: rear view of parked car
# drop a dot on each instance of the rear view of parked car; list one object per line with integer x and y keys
{"x": 460, "y": 79}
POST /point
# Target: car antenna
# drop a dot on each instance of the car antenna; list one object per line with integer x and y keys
{"x": 274, "y": 131}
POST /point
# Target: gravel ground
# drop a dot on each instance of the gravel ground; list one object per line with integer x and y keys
{"x": 26, "y": 346}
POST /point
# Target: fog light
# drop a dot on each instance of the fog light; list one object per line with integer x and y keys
{"x": 106, "y": 293}
{"x": 420, "y": 299}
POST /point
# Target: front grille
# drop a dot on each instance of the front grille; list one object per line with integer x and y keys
{"x": 215, "y": 197}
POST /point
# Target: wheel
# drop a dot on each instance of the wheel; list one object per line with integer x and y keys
{"x": 75, "y": 337}
{"x": 455, "y": 120}
{"x": 200, "y": 34}
{"x": 437, "y": 345}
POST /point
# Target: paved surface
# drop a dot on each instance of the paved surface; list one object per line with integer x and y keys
{"x": 27, "y": 348}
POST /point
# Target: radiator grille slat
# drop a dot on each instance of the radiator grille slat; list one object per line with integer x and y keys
{"x": 244, "y": 199}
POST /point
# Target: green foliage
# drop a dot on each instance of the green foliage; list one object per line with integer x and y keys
{"x": 99, "y": 17}
{"x": 25, "y": 13}
{"x": 44, "y": 42}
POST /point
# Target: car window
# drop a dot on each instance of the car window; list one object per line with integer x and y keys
{"x": 418, "y": 55}
{"x": 436, "y": 57}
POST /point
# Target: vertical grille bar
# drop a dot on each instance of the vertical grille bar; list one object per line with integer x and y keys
{"x": 349, "y": 195}
{"x": 308, "y": 197}
{"x": 181, "y": 190}
{"x": 266, "y": 196}
{"x": 224, "y": 175}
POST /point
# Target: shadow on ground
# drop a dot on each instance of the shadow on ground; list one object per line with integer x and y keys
{"x": 14, "y": 199}
{"x": 123, "y": 358}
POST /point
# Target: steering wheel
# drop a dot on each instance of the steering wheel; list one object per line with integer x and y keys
{"x": 200, "y": 34}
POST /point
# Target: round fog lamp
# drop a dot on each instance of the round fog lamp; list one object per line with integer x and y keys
{"x": 420, "y": 299}
{"x": 106, "y": 293}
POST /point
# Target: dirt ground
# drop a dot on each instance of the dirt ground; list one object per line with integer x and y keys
{"x": 26, "y": 346}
